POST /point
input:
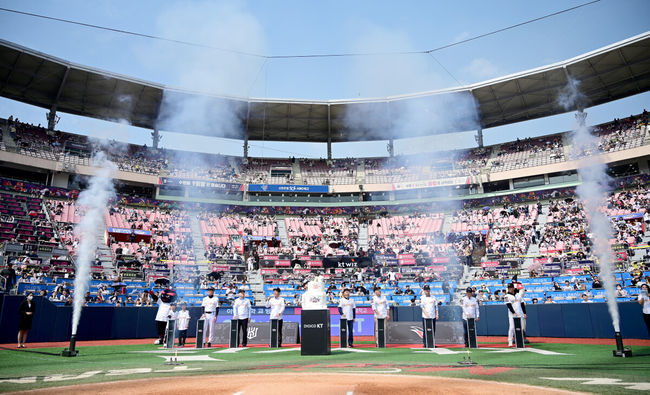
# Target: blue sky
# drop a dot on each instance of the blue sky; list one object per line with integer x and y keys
{"x": 306, "y": 27}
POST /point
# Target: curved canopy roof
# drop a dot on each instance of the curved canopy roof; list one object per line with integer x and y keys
{"x": 607, "y": 74}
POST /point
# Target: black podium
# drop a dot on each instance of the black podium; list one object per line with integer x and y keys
{"x": 276, "y": 334}
{"x": 380, "y": 332}
{"x": 315, "y": 332}
{"x": 428, "y": 333}
{"x": 343, "y": 333}
{"x": 234, "y": 334}
{"x": 472, "y": 339}
{"x": 519, "y": 333}
{"x": 200, "y": 324}
{"x": 170, "y": 333}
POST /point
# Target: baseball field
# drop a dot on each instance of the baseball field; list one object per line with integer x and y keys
{"x": 123, "y": 367}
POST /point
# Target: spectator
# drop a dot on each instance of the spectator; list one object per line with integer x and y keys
{"x": 644, "y": 301}
{"x": 26, "y": 312}
{"x": 596, "y": 284}
{"x": 10, "y": 277}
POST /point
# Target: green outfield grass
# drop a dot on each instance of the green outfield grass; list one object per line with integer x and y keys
{"x": 38, "y": 368}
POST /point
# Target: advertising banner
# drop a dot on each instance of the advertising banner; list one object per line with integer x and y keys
{"x": 447, "y": 332}
{"x": 179, "y": 182}
{"x": 364, "y": 324}
{"x": 137, "y": 232}
{"x": 398, "y": 186}
{"x": 489, "y": 264}
{"x": 346, "y": 262}
{"x": 288, "y": 188}
{"x": 258, "y": 332}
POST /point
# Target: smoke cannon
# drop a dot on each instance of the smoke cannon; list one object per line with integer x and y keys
{"x": 71, "y": 351}
{"x": 620, "y": 350}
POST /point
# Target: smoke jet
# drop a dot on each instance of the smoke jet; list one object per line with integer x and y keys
{"x": 593, "y": 192}
{"x": 93, "y": 201}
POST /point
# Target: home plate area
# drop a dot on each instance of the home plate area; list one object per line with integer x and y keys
{"x": 298, "y": 383}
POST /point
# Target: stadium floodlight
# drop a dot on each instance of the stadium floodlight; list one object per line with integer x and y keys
{"x": 620, "y": 350}
{"x": 71, "y": 351}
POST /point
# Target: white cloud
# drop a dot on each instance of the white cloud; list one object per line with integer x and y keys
{"x": 462, "y": 36}
{"x": 481, "y": 69}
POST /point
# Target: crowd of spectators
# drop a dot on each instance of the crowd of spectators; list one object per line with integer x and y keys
{"x": 35, "y": 140}
{"x": 529, "y": 152}
{"x": 323, "y": 235}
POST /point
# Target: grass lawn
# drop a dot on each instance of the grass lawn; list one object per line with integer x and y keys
{"x": 38, "y": 368}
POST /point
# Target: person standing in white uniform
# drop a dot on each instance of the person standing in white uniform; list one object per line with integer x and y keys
{"x": 210, "y": 305}
{"x": 379, "y": 305}
{"x": 470, "y": 310}
{"x": 241, "y": 310}
{"x": 277, "y": 304}
{"x": 182, "y": 323}
{"x": 347, "y": 309}
{"x": 429, "y": 305}
{"x": 515, "y": 309}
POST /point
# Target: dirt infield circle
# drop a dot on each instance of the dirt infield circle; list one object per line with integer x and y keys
{"x": 301, "y": 383}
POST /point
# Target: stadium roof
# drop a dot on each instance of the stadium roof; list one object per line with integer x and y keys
{"x": 606, "y": 74}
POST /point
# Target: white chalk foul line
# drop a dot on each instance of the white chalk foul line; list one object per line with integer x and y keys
{"x": 230, "y": 350}
{"x": 189, "y": 358}
{"x": 278, "y": 350}
{"x": 393, "y": 370}
{"x": 439, "y": 351}
{"x": 165, "y": 351}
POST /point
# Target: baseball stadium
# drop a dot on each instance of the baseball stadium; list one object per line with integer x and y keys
{"x": 461, "y": 209}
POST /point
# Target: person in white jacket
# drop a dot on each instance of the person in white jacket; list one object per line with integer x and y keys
{"x": 347, "y": 309}
{"x": 429, "y": 305}
{"x": 182, "y": 323}
{"x": 277, "y": 304}
{"x": 470, "y": 310}
{"x": 241, "y": 310}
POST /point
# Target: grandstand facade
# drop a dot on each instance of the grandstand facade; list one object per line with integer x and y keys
{"x": 476, "y": 218}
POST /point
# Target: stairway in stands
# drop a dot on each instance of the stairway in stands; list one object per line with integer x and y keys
{"x": 197, "y": 238}
{"x": 446, "y": 222}
{"x": 6, "y": 136}
{"x": 296, "y": 172}
{"x": 567, "y": 143}
{"x": 533, "y": 249}
{"x": 646, "y": 135}
{"x": 363, "y": 236}
{"x": 493, "y": 156}
{"x": 257, "y": 287}
{"x": 282, "y": 231}
{"x": 105, "y": 253}
{"x": 361, "y": 172}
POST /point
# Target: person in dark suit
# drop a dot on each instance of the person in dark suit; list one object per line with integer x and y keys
{"x": 26, "y": 311}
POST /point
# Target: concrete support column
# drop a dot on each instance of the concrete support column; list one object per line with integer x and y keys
{"x": 155, "y": 138}
{"x": 52, "y": 118}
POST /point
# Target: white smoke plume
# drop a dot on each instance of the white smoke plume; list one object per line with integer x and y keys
{"x": 207, "y": 70}
{"x": 93, "y": 201}
{"x": 593, "y": 192}
{"x": 381, "y": 76}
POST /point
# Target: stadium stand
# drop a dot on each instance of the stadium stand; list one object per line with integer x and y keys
{"x": 540, "y": 237}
